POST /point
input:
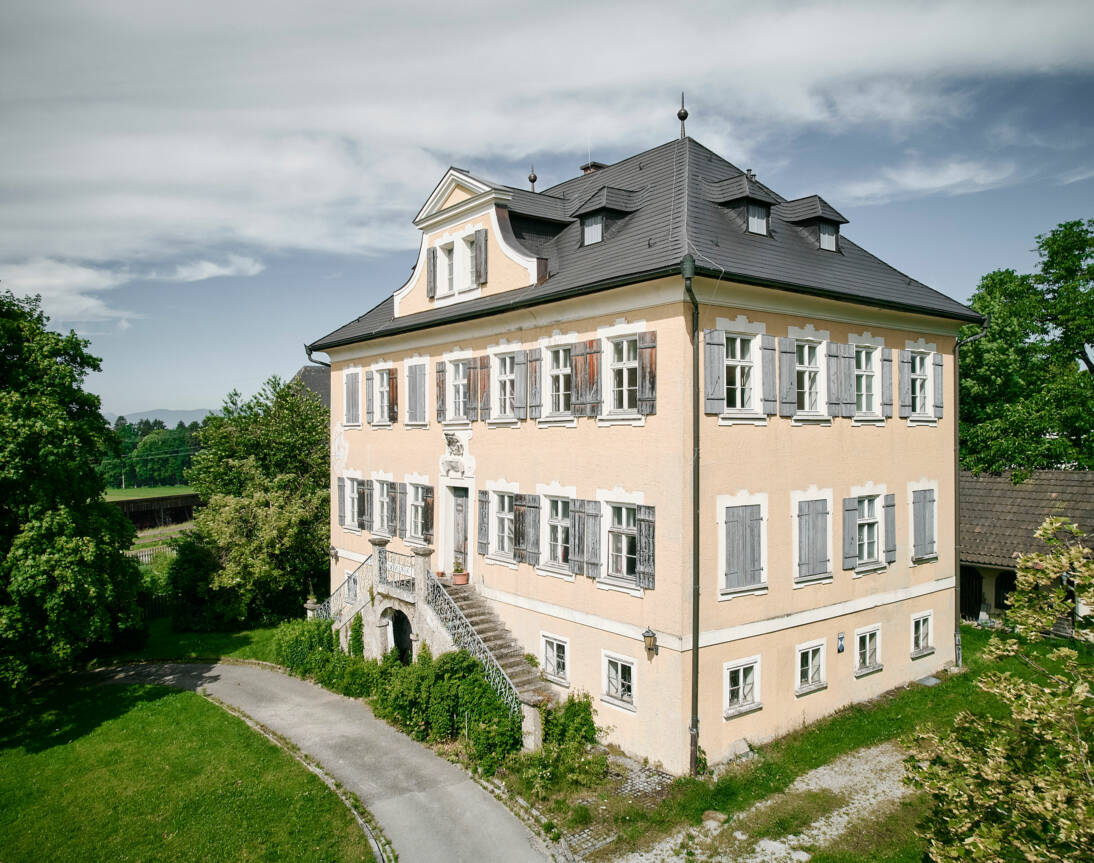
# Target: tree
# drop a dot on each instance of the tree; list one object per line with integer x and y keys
{"x": 263, "y": 475}
{"x": 1019, "y": 785}
{"x": 1027, "y": 389}
{"x": 65, "y": 582}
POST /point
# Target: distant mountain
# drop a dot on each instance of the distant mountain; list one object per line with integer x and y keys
{"x": 170, "y": 418}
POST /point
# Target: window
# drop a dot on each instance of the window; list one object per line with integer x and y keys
{"x": 867, "y": 530}
{"x": 504, "y": 515}
{"x": 923, "y": 544}
{"x": 353, "y": 398}
{"x": 469, "y": 251}
{"x": 921, "y": 635}
{"x": 417, "y": 511}
{"x": 808, "y": 376}
{"x": 351, "y": 503}
{"x": 743, "y": 547}
{"x": 554, "y": 658}
{"x": 592, "y": 229}
{"x": 867, "y": 657}
{"x": 507, "y": 383}
{"x": 623, "y": 543}
{"x": 757, "y": 219}
{"x": 739, "y": 372}
{"x": 919, "y": 383}
{"x": 449, "y": 266}
{"x": 558, "y": 532}
{"x": 459, "y": 390}
{"x": 742, "y": 686}
{"x": 619, "y": 680}
{"x": 865, "y": 380}
{"x": 828, "y": 233}
{"x": 624, "y": 369}
{"x": 561, "y": 380}
{"x": 383, "y": 393}
{"x": 383, "y": 507}
{"x": 810, "y": 668}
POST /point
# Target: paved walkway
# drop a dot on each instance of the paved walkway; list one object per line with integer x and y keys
{"x": 429, "y": 809}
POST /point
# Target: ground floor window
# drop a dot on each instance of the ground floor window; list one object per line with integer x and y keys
{"x": 554, "y": 658}
{"x": 810, "y": 667}
{"x": 742, "y": 686}
{"x": 868, "y": 650}
{"x": 619, "y": 680}
{"x": 921, "y": 634}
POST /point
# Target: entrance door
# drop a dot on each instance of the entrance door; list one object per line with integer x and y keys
{"x": 459, "y": 526}
{"x": 972, "y": 592}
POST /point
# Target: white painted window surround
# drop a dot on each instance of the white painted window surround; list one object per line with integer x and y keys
{"x": 922, "y": 353}
{"x": 592, "y": 228}
{"x": 876, "y": 492}
{"x": 619, "y": 685}
{"x": 913, "y": 486}
{"x": 741, "y": 328}
{"x": 548, "y": 492}
{"x": 868, "y": 650}
{"x": 868, "y": 381}
{"x": 555, "y": 655}
{"x": 502, "y": 358}
{"x": 608, "y": 498}
{"x": 452, "y": 389}
{"x": 921, "y": 624}
{"x": 757, "y": 219}
{"x": 811, "y": 493}
{"x": 811, "y": 364}
{"x": 496, "y": 488}
{"x": 741, "y": 498}
{"x": 741, "y": 687}
{"x": 809, "y": 667}
{"x": 828, "y": 233}
{"x": 622, "y": 330}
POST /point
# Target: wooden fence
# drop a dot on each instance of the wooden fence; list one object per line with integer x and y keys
{"x": 145, "y": 555}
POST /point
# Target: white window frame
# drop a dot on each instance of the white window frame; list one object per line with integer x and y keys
{"x": 742, "y": 328}
{"x": 506, "y": 529}
{"x": 622, "y": 366}
{"x": 757, "y": 216}
{"x": 921, "y": 380}
{"x": 592, "y": 229}
{"x": 867, "y": 515}
{"x": 451, "y": 385}
{"x": 867, "y": 380}
{"x": 809, "y": 334}
{"x": 407, "y": 366}
{"x": 874, "y": 629}
{"x": 448, "y": 276}
{"x": 742, "y": 369}
{"x": 806, "y": 368}
{"x": 928, "y": 648}
{"x": 416, "y": 511}
{"x": 804, "y": 689}
{"x": 729, "y": 709}
{"x": 552, "y": 675}
{"x": 349, "y": 502}
{"x": 827, "y": 233}
{"x": 625, "y": 534}
{"x": 380, "y": 502}
{"x": 347, "y": 381}
{"x": 620, "y": 703}
{"x": 561, "y": 523}
{"x": 469, "y": 263}
{"x": 557, "y": 376}
{"x": 741, "y": 498}
{"x": 548, "y": 491}
{"x": 504, "y": 384}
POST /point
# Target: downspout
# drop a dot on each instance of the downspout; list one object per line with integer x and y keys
{"x": 957, "y": 655}
{"x": 687, "y": 270}
{"x": 311, "y": 359}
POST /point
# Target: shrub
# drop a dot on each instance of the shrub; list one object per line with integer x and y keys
{"x": 305, "y": 647}
{"x": 189, "y": 580}
{"x": 571, "y": 721}
{"x": 356, "y": 636}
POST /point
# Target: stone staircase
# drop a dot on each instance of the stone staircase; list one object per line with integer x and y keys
{"x": 531, "y": 688}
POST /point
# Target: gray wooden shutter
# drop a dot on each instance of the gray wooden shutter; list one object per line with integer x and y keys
{"x": 735, "y": 547}
{"x": 714, "y": 373}
{"x": 832, "y": 372}
{"x": 579, "y": 379}
{"x": 531, "y": 528}
{"x": 480, "y": 256}
{"x": 392, "y": 396}
{"x": 847, "y": 379}
{"x": 427, "y": 515}
{"x": 788, "y": 385}
{"x": 341, "y": 500}
{"x": 890, "y": 528}
{"x": 362, "y": 505}
{"x": 411, "y": 395}
{"x": 484, "y": 387}
{"x": 368, "y": 397}
{"x": 519, "y": 535}
{"x": 535, "y": 384}
{"x": 647, "y": 373}
{"x": 754, "y": 569}
{"x": 520, "y": 385}
{"x": 441, "y": 376}
{"x": 431, "y": 272}
{"x": 422, "y": 399}
{"x": 472, "y": 389}
{"x": 770, "y": 394}
{"x": 804, "y": 543}
{"x": 593, "y": 393}
{"x": 592, "y": 538}
{"x": 904, "y": 366}
{"x": 484, "y": 522}
{"x": 886, "y": 383}
{"x": 392, "y": 509}
{"x": 401, "y": 525}
{"x": 368, "y": 505}
{"x": 850, "y": 532}
{"x": 937, "y": 362}
{"x": 819, "y": 517}
{"x": 646, "y": 543}
{"x": 577, "y": 537}
{"x": 352, "y": 389}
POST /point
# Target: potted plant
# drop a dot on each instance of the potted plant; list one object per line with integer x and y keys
{"x": 459, "y": 576}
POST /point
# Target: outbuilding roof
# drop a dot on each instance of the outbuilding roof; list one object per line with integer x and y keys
{"x": 678, "y": 192}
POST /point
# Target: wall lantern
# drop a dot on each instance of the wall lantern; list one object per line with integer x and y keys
{"x": 839, "y": 643}
{"x": 649, "y": 637}
{"x": 333, "y": 553}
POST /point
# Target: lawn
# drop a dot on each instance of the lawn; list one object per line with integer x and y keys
{"x": 100, "y": 772}
{"x": 164, "y": 643}
{"x": 151, "y": 491}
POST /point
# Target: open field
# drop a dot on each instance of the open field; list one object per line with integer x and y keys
{"x": 165, "y": 644}
{"x": 92, "y": 772}
{"x": 151, "y": 491}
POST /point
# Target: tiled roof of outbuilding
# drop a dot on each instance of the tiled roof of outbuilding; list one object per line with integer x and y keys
{"x": 998, "y": 518}
{"x": 679, "y": 191}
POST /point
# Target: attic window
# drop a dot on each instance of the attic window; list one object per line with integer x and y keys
{"x": 757, "y": 219}
{"x": 592, "y": 229}
{"x": 828, "y": 232}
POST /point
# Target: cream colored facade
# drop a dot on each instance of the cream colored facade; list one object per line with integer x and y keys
{"x": 769, "y": 461}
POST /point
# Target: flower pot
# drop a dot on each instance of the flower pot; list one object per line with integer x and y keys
{"x": 461, "y": 577}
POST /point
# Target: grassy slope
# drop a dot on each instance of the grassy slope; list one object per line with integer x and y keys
{"x": 92, "y": 772}
{"x": 151, "y": 491}
{"x": 163, "y": 643}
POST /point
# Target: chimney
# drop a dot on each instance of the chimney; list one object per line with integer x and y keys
{"x": 589, "y": 167}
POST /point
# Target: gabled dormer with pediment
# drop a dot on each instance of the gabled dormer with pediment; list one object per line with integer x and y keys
{"x": 468, "y": 247}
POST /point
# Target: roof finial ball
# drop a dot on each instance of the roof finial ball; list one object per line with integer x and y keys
{"x": 532, "y": 176}
{"x": 682, "y": 114}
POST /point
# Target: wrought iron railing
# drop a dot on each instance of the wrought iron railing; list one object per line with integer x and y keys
{"x": 345, "y": 594}
{"x": 395, "y": 572}
{"x": 466, "y": 638}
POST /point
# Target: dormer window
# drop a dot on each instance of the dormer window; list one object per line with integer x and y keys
{"x": 828, "y": 233}
{"x": 448, "y": 271}
{"x": 592, "y": 229}
{"x": 757, "y": 218}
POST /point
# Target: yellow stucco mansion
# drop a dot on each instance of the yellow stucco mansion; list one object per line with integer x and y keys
{"x": 529, "y": 408}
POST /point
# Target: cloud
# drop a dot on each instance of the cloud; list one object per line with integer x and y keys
{"x": 69, "y": 291}
{"x": 916, "y": 179}
{"x": 1076, "y": 176}
{"x": 196, "y": 271}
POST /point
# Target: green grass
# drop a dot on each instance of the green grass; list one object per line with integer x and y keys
{"x": 150, "y": 491}
{"x": 789, "y": 813}
{"x": 163, "y": 643}
{"x": 887, "y": 836}
{"x": 99, "y": 772}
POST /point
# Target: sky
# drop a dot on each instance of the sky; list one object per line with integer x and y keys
{"x": 201, "y": 188}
